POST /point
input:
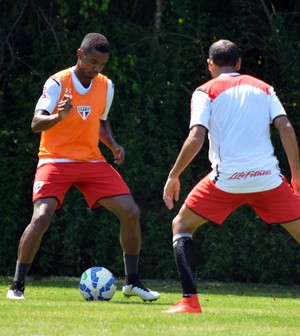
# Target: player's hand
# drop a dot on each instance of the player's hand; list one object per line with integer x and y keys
{"x": 171, "y": 192}
{"x": 64, "y": 106}
{"x": 295, "y": 182}
{"x": 119, "y": 155}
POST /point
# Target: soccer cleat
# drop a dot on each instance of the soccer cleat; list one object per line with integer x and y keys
{"x": 141, "y": 291}
{"x": 16, "y": 291}
{"x": 185, "y": 305}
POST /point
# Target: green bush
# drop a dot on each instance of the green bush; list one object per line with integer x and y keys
{"x": 155, "y": 71}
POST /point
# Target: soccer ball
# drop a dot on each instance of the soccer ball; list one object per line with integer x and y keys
{"x": 97, "y": 284}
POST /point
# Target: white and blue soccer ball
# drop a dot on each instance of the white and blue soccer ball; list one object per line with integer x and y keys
{"x": 97, "y": 284}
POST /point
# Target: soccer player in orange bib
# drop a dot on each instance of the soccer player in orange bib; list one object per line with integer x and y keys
{"x": 236, "y": 110}
{"x": 72, "y": 116}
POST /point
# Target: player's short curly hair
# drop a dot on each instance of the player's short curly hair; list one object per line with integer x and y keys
{"x": 95, "y": 41}
{"x": 224, "y": 53}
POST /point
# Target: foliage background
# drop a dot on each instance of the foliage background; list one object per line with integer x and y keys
{"x": 158, "y": 58}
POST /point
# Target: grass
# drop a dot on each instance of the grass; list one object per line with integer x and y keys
{"x": 53, "y": 306}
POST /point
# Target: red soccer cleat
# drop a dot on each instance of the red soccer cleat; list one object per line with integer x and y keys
{"x": 186, "y": 305}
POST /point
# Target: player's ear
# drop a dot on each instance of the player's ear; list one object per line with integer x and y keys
{"x": 79, "y": 53}
{"x": 238, "y": 65}
{"x": 210, "y": 64}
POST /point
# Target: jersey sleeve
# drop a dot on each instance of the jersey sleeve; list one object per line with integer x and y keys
{"x": 50, "y": 96}
{"x": 200, "y": 109}
{"x": 276, "y": 108}
{"x": 109, "y": 99}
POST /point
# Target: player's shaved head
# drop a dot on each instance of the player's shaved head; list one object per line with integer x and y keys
{"x": 95, "y": 41}
{"x": 224, "y": 53}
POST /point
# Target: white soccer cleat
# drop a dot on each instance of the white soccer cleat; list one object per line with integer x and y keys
{"x": 16, "y": 291}
{"x": 15, "y": 294}
{"x": 141, "y": 291}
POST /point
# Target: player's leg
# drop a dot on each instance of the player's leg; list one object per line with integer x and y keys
{"x": 29, "y": 244}
{"x": 128, "y": 213}
{"x": 293, "y": 229}
{"x": 50, "y": 185}
{"x": 279, "y": 205}
{"x": 184, "y": 225}
{"x": 204, "y": 203}
{"x": 102, "y": 185}
{"x": 30, "y": 241}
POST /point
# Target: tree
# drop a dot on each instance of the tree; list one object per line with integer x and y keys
{"x": 158, "y": 57}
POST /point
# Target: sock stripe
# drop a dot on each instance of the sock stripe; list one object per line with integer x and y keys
{"x": 181, "y": 235}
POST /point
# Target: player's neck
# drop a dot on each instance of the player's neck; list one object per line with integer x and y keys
{"x": 85, "y": 81}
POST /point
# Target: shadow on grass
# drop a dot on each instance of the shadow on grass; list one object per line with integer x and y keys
{"x": 173, "y": 286}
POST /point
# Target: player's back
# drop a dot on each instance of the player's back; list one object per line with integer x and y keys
{"x": 242, "y": 108}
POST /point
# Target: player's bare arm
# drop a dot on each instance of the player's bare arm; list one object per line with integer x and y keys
{"x": 290, "y": 145}
{"x": 189, "y": 150}
{"x": 106, "y": 137}
{"x": 43, "y": 120}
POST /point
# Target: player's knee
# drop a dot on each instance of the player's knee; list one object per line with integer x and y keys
{"x": 133, "y": 213}
{"x": 41, "y": 221}
{"x": 177, "y": 226}
{"x": 129, "y": 214}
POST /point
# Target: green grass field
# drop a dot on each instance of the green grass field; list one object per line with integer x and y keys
{"x": 54, "y": 307}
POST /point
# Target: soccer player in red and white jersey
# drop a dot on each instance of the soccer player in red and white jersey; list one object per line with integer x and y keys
{"x": 71, "y": 116}
{"x": 236, "y": 111}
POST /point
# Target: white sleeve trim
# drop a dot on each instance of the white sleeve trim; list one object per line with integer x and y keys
{"x": 200, "y": 109}
{"x": 109, "y": 99}
{"x": 50, "y": 96}
{"x": 276, "y": 108}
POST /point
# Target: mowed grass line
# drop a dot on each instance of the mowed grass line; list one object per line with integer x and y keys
{"x": 54, "y": 307}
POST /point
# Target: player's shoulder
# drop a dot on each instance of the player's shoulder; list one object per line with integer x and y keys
{"x": 213, "y": 86}
{"x": 225, "y": 82}
{"x": 256, "y": 83}
{"x": 57, "y": 78}
{"x": 204, "y": 86}
{"x": 100, "y": 78}
{"x": 254, "y": 80}
{"x": 62, "y": 73}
